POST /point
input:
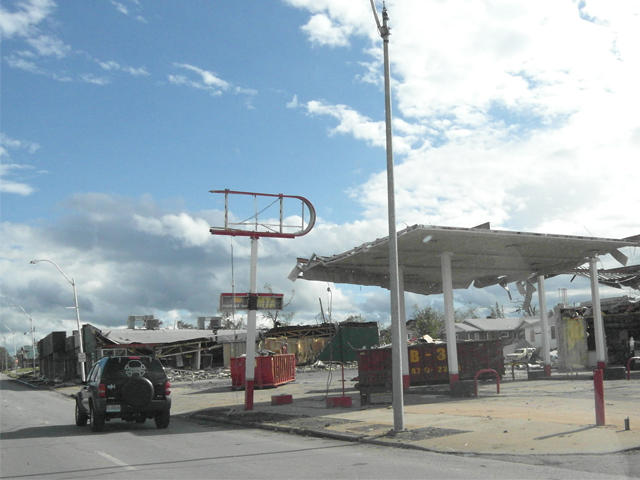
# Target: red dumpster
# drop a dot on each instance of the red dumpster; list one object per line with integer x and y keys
{"x": 428, "y": 361}
{"x": 270, "y": 371}
{"x": 427, "y": 364}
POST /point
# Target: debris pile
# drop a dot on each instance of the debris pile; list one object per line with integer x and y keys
{"x": 176, "y": 375}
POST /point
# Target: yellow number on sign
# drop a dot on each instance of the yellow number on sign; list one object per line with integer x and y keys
{"x": 441, "y": 354}
{"x": 414, "y": 356}
{"x": 427, "y": 370}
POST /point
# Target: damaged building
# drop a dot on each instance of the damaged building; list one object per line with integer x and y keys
{"x": 328, "y": 342}
{"x": 576, "y": 339}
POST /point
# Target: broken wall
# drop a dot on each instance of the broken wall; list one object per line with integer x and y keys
{"x": 571, "y": 330}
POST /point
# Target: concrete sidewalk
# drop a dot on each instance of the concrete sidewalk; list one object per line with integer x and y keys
{"x": 527, "y": 417}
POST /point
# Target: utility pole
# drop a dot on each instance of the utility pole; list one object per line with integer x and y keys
{"x": 394, "y": 274}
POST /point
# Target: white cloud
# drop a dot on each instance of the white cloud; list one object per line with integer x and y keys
{"x": 120, "y": 7}
{"x": 47, "y": 45}
{"x": 293, "y": 103}
{"x": 516, "y": 114}
{"x": 113, "y": 66}
{"x": 24, "y": 22}
{"x": 128, "y": 256}
{"x": 128, "y": 10}
{"x": 192, "y": 231}
{"x": 26, "y": 15}
{"x": 210, "y": 82}
{"x": 333, "y": 21}
{"x": 23, "y": 64}
{"x": 94, "y": 79}
{"x": 8, "y": 184}
{"x": 322, "y": 31}
{"x": 208, "y": 78}
{"x": 10, "y": 187}
{"x": 351, "y": 122}
{"x": 14, "y": 144}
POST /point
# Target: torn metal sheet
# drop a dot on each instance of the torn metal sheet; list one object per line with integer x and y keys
{"x": 616, "y": 277}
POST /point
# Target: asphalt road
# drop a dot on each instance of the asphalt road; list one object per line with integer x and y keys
{"x": 38, "y": 439}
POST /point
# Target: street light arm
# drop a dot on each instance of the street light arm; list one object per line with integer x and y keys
{"x": 382, "y": 28}
{"x": 375, "y": 15}
{"x": 23, "y": 311}
{"x": 70, "y": 280}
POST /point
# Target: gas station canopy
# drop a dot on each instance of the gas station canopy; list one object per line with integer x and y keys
{"x": 479, "y": 256}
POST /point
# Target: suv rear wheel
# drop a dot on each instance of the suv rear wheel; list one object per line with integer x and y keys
{"x": 97, "y": 421}
{"x": 81, "y": 418}
{"x": 162, "y": 419}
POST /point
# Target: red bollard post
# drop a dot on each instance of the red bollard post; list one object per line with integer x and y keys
{"x": 248, "y": 395}
{"x": 598, "y": 391}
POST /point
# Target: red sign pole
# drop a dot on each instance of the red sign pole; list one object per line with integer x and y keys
{"x": 256, "y": 229}
{"x": 598, "y": 390}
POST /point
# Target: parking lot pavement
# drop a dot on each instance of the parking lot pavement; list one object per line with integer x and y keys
{"x": 526, "y": 417}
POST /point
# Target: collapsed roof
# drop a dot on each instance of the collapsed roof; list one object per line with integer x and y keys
{"x": 616, "y": 277}
{"x": 128, "y": 336}
{"x": 480, "y": 256}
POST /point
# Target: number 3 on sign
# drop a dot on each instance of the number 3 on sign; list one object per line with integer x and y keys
{"x": 441, "y": 354}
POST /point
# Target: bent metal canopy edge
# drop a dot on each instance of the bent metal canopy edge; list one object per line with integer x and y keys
{"x": 480, "y": 256}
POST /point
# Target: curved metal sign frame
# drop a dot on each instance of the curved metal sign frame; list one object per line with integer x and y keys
{"x": 227, "y": 230}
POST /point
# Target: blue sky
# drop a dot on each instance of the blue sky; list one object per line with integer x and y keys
{"x": 118, "y": 117}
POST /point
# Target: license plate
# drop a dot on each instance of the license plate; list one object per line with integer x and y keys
{"x": 113, "y": 408}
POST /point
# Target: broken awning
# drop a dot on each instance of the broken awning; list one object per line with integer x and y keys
{"x": 479, "y": 255}
{"x": 616, "y": 277}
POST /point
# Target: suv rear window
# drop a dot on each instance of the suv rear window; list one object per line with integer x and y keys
{"x": 123, "y": 367}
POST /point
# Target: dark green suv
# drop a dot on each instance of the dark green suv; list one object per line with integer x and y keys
{"x": 131, "y": 388}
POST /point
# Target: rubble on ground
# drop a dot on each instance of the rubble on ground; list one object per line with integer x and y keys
{"x": 177, "y": 375}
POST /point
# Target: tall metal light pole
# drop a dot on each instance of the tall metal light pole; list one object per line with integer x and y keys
{"x": 396, "y": 352}
{"x": 15, "y": 349}
{"x": 75, "y": 300}
{"x": 33, "y": 339}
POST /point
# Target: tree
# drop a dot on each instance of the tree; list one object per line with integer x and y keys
{"x": 384, "y": 335}
{"x": 428, "y": 322}
{"x": 6, "y": 359}
{"x": 277, "y": 318}
{"x": 463, "y": 313}
{"x": 184, "y": 325}
{"x": 355, "y": 318}
{"x": 497, "y": 311}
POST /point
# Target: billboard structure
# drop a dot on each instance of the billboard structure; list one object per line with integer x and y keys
{"x": 262, "y": 224}
{"x": 230, "y": 302}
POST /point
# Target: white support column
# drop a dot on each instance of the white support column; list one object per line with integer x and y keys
{"x": 598, "y": 326}
{"x": 450, "y": 327}
{"x": 199, "y": 357}
{"x": 403, "y": 331}
{"x": 251, "y": 329}
{"x": 544, "y": 324}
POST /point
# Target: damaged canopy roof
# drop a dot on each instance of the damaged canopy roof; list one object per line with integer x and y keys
{"x": 616, "y": 277}
{"x": 479, "y": 255}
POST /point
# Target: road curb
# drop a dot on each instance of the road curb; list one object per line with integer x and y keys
{"x": 226, "y": 420}
{"x": 321, "y": 434}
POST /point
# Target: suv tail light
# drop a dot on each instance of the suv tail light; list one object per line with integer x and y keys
{"x": 102, "y": 390}
{"x": 167, "y": 388}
